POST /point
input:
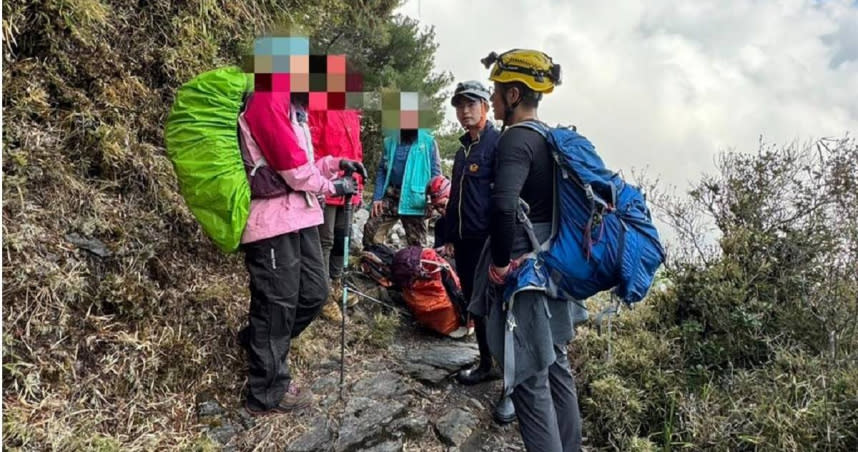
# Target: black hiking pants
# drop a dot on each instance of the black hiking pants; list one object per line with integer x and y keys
{"x": 287, "y": 290}
{"x": 547, "y": 408}
{"x": 467, "y": 257}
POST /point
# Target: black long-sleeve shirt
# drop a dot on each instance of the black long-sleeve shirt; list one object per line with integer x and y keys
{"x": 524, "y": 169}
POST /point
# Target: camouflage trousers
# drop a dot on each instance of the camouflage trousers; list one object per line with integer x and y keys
{"x": 376, "y": 228}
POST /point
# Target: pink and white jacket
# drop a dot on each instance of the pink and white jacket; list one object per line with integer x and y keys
{"x": 270, "y": 131}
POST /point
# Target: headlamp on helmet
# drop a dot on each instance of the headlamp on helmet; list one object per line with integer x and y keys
{"x": 533, "y": 68}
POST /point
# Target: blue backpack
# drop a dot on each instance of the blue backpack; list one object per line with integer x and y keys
{"x": 603, "y": 235}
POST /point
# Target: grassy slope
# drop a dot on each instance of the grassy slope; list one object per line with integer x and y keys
{"x": 110, "y": 349}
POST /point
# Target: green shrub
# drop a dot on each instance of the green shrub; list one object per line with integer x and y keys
{"x": 382, "y": 330}
{"x": 752, "y": 344}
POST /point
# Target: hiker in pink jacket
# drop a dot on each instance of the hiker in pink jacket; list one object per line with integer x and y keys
{"x": 283, "y": 254}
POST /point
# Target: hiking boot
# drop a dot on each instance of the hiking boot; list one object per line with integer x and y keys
{"x": 460, "y": 333}
{"x": 476, "y": 375}
{"x": 331, "y": 311}
{"x": 295, "y": 398}
{"x": 504, "y": 411}
{"x": 337, "y": 293}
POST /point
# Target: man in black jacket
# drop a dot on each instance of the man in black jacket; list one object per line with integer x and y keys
{"x": 466, "y": 221}
{"x": 536, "y": 367}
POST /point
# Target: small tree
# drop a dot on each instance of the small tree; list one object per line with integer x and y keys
{"x": 784, "y": 269}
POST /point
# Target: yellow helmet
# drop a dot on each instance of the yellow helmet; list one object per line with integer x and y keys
{"x": 533, "y": 68}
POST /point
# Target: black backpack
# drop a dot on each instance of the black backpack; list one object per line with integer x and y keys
{"x": 375, "y": 262}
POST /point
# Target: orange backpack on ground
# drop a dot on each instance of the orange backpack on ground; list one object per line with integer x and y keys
{"x": 431, "y": 289}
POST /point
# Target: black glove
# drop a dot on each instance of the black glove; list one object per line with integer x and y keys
{"x": 345, "y": 186}
{"x": 353, "y": 166}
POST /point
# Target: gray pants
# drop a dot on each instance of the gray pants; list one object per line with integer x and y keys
{"x": 331, "y": 234}
{"x": 547, "y": 408}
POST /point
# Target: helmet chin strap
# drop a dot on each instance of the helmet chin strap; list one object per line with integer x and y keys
{"x": 508, "y": 111}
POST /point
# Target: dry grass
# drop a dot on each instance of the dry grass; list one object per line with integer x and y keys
{"x": 108, "y": 352}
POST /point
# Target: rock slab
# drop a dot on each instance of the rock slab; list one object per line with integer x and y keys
{"x": 366, "y": 422}
{"x": 432, "y": 363}
{"x": 317, "y": 438}
{"x": 383, "y": 385}
{"x": 389, "y": 446}
{"x": 455, "y": 427}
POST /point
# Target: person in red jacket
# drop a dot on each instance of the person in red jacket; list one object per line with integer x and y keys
{"x": 336, "y": 133}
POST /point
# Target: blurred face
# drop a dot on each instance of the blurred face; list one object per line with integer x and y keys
{"x": 299, "y": 73}
{"x": 409, "y": 119}
{"x": 468, "y": 112}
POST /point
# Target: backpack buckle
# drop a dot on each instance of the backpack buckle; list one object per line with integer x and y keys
{"x": 510, "y": 323}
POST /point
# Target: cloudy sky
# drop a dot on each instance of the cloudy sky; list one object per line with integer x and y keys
{"x": 665, "y": 85}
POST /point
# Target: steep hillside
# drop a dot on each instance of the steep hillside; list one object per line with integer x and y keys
{"x": 117, "y": 311}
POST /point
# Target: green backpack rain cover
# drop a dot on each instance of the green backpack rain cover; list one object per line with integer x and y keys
{"x": 202, "y": 143}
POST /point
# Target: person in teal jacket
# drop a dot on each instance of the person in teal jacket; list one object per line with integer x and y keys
{"x": 409, "y": 161}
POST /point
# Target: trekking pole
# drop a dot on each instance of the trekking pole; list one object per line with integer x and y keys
{"x": 377, "y": 301}
{"x": 347, "y": 210}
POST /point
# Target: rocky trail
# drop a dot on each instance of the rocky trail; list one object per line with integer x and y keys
{"x": 399, "y": 397}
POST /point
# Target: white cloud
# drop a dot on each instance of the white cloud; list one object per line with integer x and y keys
{"x": 665, "y": 85}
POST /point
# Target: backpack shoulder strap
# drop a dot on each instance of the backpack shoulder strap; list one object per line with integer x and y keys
{"x": 245, "y": 98}
{"x": 535, "y": 125}
{"x": 541, "y": 127}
